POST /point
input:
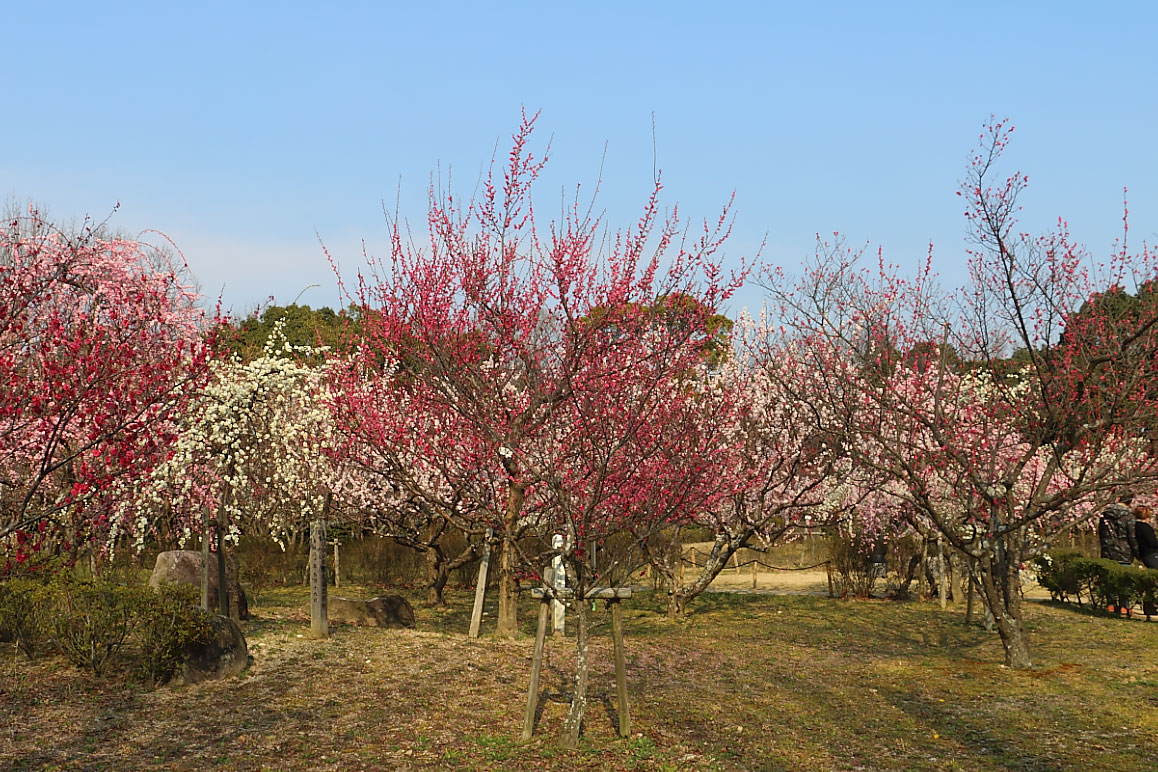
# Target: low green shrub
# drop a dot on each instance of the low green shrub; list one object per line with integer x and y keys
{"x": 856, "y": 569}
{"x": 1103, "y": 582}
{"x": 1062, "y": 574}
{"x": 24, "y": 614}
{"x": 168, "y": 621}
{"x": 91, "y": 619}
{"x": 100, "y": 622}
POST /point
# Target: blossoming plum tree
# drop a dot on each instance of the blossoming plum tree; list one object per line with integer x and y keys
{"x": 783, "y": 470}
{"x": 396, "y": 488}
{"x": 526, "y": 365}
{"x": 993, "y": 455}
{"x": 255, "y": 446}
{"x": 257, "y": 443}
{"x": 101, "y": 345}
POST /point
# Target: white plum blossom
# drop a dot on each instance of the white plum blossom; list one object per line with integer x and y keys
{"x": 258, "y": 441}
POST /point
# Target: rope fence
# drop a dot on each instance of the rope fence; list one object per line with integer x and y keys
{"x": 737, "y": 565}
{"x": 751, "y": 562}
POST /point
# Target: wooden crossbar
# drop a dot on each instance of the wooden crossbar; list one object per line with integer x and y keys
{"x": 599, "y": 593}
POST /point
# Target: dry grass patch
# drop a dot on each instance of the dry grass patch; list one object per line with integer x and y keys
{"x": 748, "y": 682}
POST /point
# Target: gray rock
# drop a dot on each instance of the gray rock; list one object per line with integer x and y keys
{"x": 184, "y": 567}
{"x": 224, "y": 654}
{"x": 383, "y": 611}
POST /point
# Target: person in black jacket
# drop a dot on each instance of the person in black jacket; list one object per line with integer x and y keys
{"x": 1144, "y": 536}
{"x": 1116, "y": 532}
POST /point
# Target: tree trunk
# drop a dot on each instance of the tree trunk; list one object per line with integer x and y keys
{"x": 234, "y": 583}
{"x": 436, "y": 575}
{"x": 442, "y": 575}
{"x": 955, "y": 580}
{"x": 942, "y": 574}
{"x": 906, "y": 579}
{"x": 573, "y": 725}
{"x": 205, "y": 555}
{"x": 677, "y": 604}
{"x": 1000, "y": 582}
{"x": 970, "y": 582}
{"x": 222, "y": 583}
{"x": 724, "y": 547}
{"x": 508, "y": 621}
{"x": 222, "y": 524}
{"x": 924, "y": 570}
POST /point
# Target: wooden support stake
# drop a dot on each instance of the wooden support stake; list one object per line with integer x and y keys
{"x": 620, "y": 668}
{"x": 969, "y": 595}
{"x": 536, "y": 668}
{"x": 480, "y": 589}
{"x": 319, "y": 617}
{"x": 924, "y": 570}
{"x": 942, "y": 574}
{"x": 337, "y": 573}
{"x": 754, "y": 563}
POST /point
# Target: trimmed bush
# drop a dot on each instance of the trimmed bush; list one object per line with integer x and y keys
{"x": 856, "y": 571}
{"x": 168, "y": 622}
{"x": 1103, "y": 582}
{"x": 97, "y": 623}
{"x": 91, "y": 620}
{"x": 24, "y": 614}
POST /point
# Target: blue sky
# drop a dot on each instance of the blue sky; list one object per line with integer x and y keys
{"x": 242, "y": 129}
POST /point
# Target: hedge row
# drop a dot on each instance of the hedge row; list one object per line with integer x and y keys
{"x": 97, "y": 624}
{"x": 1104, "y": 583}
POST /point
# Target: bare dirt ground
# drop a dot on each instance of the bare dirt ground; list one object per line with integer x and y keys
{"x": 804, "y": 583}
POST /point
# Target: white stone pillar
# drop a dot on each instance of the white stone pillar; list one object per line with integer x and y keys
{"x": 559, "y": 611}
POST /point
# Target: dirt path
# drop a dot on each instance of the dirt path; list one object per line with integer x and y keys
{"x": 801, "y": 583}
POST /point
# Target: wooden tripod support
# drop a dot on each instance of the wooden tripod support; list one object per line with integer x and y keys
{"x": 613, "y": 596}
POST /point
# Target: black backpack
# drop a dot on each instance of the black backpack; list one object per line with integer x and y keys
{"x": 1112, "y": 536}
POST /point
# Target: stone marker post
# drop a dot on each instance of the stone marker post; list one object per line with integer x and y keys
{"x": 319, "y": 619}
{"x": 205, "y": 553}
{"x": 222, "y": 524}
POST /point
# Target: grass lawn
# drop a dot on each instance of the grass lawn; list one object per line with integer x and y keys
{"x": 746, "y": 683}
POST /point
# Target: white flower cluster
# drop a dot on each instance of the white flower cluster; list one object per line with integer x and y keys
{"x": 255, "y": 442}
